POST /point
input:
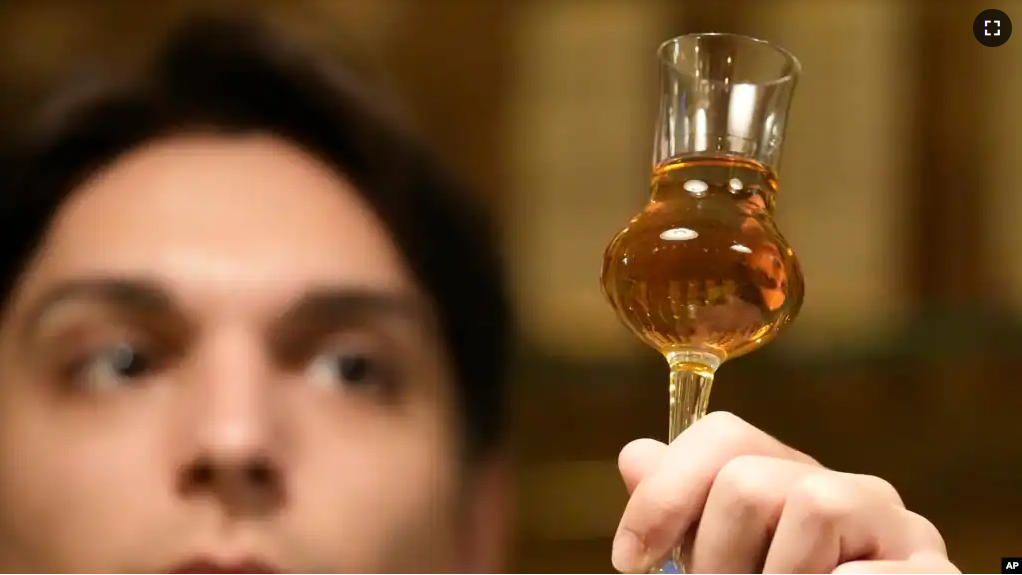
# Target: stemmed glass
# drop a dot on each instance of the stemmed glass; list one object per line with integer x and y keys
{"x": 702, "y": 274}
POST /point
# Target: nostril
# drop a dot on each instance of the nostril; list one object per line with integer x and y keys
{"x": 259, "y": 474}
{"x": 256, "y": 474}
{"x": 202, "y": 473}
{"x": 253, "y": 486}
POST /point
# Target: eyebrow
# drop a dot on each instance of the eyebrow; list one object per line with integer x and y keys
{"x": 318, "y": 309}
{"x": 326, "y": 309}
{"x": 136, "y": 295}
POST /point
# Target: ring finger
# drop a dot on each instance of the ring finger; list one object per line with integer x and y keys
{"x": 832, "y": 518}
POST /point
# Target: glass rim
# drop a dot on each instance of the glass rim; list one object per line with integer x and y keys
{"x": 792, "y": 69}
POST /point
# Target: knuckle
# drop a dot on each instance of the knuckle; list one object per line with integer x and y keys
{"x": 928, "y": 533}
{"x": 726, "y": 426}
{"x": 881, "y": 488}
{"x": 655, "y": 504}
{"x": 824, "y": 498}
{"x": 744, "y": 480}
{"x": 660, "y": 504}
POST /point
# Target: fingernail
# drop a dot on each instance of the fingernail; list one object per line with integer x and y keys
{"x": 628, "y": 554}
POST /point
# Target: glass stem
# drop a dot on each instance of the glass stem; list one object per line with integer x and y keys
{"x": 691, "y": 382}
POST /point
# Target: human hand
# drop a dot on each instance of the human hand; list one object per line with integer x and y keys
{"x": 740, "y": 501}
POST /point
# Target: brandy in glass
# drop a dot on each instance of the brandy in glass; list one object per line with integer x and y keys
{"x": 702, "y": 274}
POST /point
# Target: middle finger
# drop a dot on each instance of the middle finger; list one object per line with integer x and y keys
{"x": 744, "y": 505}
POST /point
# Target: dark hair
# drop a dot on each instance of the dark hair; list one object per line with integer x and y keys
{"x": 239, "y": 75}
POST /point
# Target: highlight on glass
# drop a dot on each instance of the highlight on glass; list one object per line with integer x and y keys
{"x": 702, "y": 274}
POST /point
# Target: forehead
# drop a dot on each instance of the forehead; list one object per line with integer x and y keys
{"x": 250, "y": 220}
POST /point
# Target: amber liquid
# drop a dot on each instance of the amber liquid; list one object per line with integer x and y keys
{"x": 703, "y": 266}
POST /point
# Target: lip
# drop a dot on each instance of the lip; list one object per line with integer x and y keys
{"x": 214, "y": 566}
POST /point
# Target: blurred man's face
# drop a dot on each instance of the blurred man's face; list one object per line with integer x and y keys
{"x": 218, "y": 361}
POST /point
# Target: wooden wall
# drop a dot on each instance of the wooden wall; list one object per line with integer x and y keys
{"x": 898, "y": 193}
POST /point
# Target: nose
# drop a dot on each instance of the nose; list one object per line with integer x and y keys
{"x": 232, "y": 454}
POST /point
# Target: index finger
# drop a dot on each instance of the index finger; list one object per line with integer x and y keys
{"x": 668, "y": 502}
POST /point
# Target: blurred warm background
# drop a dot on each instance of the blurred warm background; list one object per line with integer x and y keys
{"x": 900, "y": 192}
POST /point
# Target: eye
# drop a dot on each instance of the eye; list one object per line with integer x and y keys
{"x": 113, "y": 366}
{"x": 350, "y": 369}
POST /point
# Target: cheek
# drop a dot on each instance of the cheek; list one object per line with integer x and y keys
{"x": 386, "y": 491}
{"x": 72, "y": 490}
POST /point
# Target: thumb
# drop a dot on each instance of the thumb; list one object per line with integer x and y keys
{"x": 638, "y": 459}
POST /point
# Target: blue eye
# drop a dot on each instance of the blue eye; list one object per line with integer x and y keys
{"x": 114, "y": 366}
{"x": 347, "y": 369}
